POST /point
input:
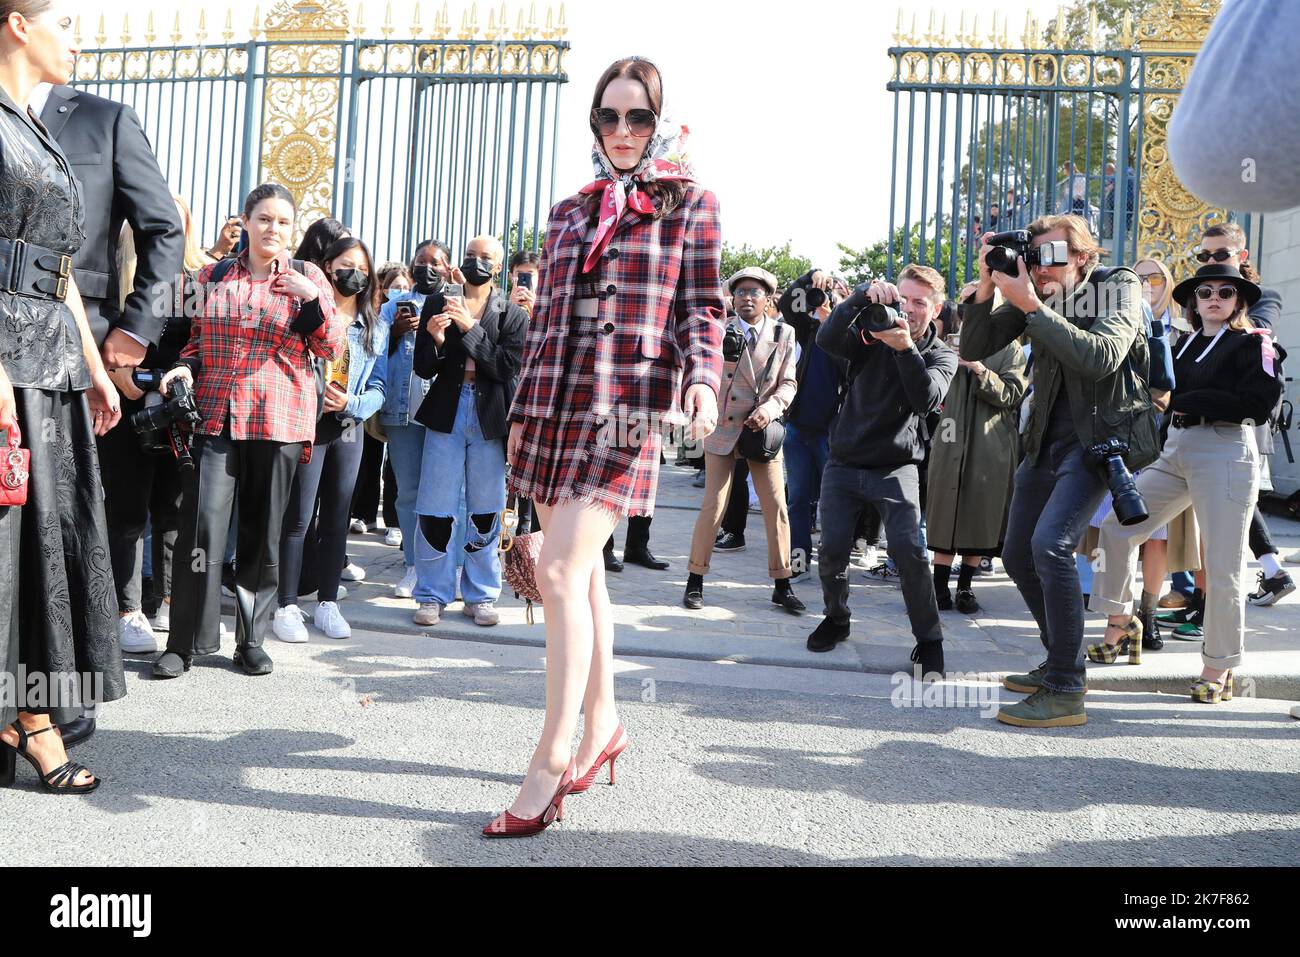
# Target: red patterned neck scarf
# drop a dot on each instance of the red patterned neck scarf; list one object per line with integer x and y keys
{"x": 665, "y": 160}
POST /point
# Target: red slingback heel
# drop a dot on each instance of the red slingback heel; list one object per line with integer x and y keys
{"x": 506, "y": 824}
{"x": 588, "y": 779}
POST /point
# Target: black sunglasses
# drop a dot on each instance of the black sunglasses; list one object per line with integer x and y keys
{"x": 640, "y": 123}
{"x": 1219, "y": 255}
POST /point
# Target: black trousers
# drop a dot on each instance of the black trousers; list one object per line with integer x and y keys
{"x": 263, "y": 472}
{"x": 365, "y": 500}
{"x": 137, "y": 485}
{"x": 1261, "y": 543}
{"x": 322, "y": 487}
{"x": 735, "y": 518}
{"x": 638, "y": 533}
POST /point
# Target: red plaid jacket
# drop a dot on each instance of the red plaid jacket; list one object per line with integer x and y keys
{"x": 661, "y": 311}
{"x": 249, "y": 364}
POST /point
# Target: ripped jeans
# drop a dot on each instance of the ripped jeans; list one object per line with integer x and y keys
{"x": 456, "y": 460}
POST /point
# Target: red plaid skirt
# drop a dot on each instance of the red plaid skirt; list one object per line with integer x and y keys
{"x": 575, "y": 457}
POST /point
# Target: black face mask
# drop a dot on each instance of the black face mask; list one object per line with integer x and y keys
{"x": 427, "y": 280}
{"x": 478, "y": 272}
{"x": 350, "y": 282}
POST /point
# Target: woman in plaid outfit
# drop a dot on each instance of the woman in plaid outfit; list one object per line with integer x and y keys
{"x": 626, "y": 338}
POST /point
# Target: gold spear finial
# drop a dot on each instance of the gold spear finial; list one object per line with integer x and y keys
{"x": 257, "y": 22}
{"x": 359, "y": 26}
{"x": 126, "y": 30}
{"x": 388, "y": 20}
{"x": 898, "y": 28}
{"x": 473, "y": 21}
{"x": 532, "y": 21}
{"x": 76, "y": 30}
{"x": 202, "y": 33}
{"x": 415, "y": 22}
{"x": 176, "y": 29}
{"x": 1026, "y": 37}
{"x": 929, "y": 33}
{"x": 150, "y": 34}
{"x": 101, "y": 37}
{"x": 1126, "y": 31}
{"x": 561, "y": 28}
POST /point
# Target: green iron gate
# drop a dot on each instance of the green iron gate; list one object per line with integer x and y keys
{"x": 401, "y": 139}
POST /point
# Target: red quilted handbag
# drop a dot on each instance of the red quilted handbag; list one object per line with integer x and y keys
{"x": 15, "y": 469}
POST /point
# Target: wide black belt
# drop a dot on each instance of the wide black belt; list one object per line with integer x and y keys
{"x": 1182, "y": 420}
{"x": 28, "y": 269}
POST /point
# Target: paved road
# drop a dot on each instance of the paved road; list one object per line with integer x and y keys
{"x": 397, "y": 749}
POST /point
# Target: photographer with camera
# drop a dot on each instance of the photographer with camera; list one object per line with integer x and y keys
{"x": 758, "y": 386}
{"x": 1090, "y": 422}
{"x": 899, "y": 372}
{"x": 155, "y": 439}
{"x": 249, "y": 360}
{"x": 1226, "y": 380}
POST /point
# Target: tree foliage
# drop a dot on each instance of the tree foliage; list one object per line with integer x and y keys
{"x": 780, "y": 261}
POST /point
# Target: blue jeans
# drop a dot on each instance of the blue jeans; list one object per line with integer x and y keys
{"x": 456, "y": 462}
{"x": 805, "y": 460}
{"x": 406, "y": 452}
{"x": 1050, "y": 509}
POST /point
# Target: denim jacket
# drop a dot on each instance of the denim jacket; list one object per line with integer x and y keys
{"x": 397, "y": 408}
{"x": 367, "y": 371}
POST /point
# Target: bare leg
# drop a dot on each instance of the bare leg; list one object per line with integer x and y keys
{"x": 575, "y": 536}
{"x": 600, "y": 713}
{"x": 945, "y": 560}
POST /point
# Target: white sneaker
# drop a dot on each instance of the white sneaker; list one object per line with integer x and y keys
{"x": 429, "y": 613}
{"x": 136, "y": 634}
{"x": 357, "y": 527}
{"x": 394, "y": 537}
{"x": 353, "y": 572}
{"x": 483, "y": 613}
{"x": 162, "y": 619}
{"x": 330, "y": 620}
{"x": 804, "y": 576}
{"x": 406, "y": 587}
{"x": 288, "y": 625}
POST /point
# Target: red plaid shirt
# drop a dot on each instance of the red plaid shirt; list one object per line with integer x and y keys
{"x": 249, "y": 364}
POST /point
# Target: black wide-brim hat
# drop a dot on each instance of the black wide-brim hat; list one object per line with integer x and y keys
{"x": 1184, "y": 291}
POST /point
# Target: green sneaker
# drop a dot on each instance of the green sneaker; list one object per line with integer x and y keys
{"x": 1188, "y": 632}
{"x": 1046, "y": 708}
{"x": 1029, "y": 683}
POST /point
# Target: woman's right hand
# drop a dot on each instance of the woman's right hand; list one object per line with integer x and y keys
{"x": 513, "y": 443}
{"x": 180, "y": 372}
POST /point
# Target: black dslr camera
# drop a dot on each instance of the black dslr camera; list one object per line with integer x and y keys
{"x": 1128, "y": 504}
{"x": 166, "y": 423}
{"x": 733, "y": 343}
{"x": 871, "y": 316}
{"x": 1013, "y": 245}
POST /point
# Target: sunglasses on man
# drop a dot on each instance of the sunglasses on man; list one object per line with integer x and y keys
{"x": 640, "y": 123}
{"x": 1219, "y": 255}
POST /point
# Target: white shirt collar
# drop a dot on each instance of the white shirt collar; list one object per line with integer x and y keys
{"x": 40, "y": 96}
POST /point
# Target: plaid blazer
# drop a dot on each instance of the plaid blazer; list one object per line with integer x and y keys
{"x": 659, "y": 329}
{"x": 247, "y": 361}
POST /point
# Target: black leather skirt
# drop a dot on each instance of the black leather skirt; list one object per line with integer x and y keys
{"x": 58, "y": 607}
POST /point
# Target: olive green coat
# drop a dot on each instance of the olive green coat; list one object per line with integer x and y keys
{"x": 974, "y": 454}
{"x": 1097, "y": 353}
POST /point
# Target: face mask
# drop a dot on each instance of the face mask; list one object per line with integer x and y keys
{"x": 428, "y": 281}
{"x": 350, "y": 282}
{"x": 477, "y": 272}
{"x": 395, "y": 293}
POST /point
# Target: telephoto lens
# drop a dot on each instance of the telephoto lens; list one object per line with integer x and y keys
{"x": 1126, "y": 499}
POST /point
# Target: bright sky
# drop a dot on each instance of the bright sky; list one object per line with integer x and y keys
{"x": 790, "y": 121}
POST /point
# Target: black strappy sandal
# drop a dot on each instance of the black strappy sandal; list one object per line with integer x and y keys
{"x": 58, "y": 781}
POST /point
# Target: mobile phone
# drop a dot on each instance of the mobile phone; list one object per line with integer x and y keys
{"x": 953, "y": 340}
{"x": 405, "y": 308}
{"x": 453, "y": 289}
{"x": 526, "y": 280}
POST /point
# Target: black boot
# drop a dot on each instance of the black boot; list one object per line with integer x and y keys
{"x": 254, "y": 661}
{"x": 929, "y": 655}
{"x": 612, "y": 564}
{"x": 1152, "y": 640}
{"x": 694, "y": 597}
{"x": 827, "y": 635}
{"x": 643, "y": 556}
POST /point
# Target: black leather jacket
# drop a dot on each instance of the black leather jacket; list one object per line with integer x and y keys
{"x": 40, "y": 202}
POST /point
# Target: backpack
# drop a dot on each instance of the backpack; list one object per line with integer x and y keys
{"x": 218, "y": 275}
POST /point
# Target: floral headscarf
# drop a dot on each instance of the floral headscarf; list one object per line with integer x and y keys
{"x": 665, "y": 160}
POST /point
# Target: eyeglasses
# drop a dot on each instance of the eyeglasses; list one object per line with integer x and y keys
{"x": 1207, "y": 292}
{"x": 749, "y": 292}
{"x": 640, "y": 123}
{"x": 1152, "y": 278}
{"x": 1219, "y": 255}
